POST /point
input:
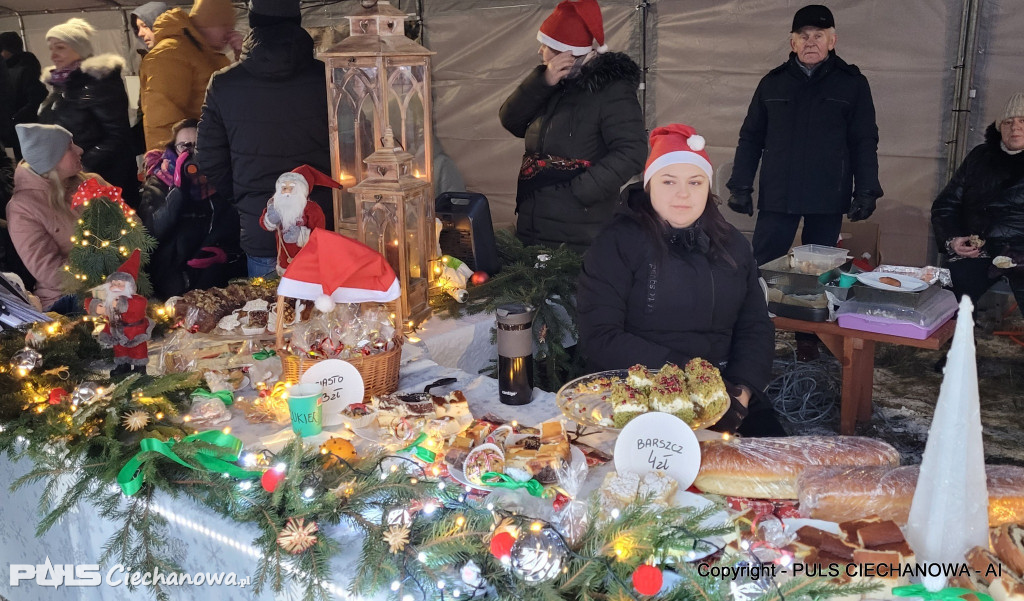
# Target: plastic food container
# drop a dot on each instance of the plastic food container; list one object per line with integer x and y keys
{"x": 917, "y": 323}
{"x": 815, "y": 258}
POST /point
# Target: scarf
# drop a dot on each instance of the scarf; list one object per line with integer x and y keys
{"x": 59, "y": 77}
{"x": 161, "y": 165}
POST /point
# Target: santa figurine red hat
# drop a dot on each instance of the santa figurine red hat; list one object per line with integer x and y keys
{"x": 291, "y": 215}
{"x": 128, "y": 328}
{"x": 575, "y": 26}
{"x": 674, "y": 144}
{"x": 332, "y": 268}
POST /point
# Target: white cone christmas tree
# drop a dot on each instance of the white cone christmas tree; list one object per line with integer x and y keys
{"x": 949, "y": 514}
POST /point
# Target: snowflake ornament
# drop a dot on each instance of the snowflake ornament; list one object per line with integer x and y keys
{"x": 135, "y": 420}
{"x": 397, "y": 537}
{"x": 297, "y": 535}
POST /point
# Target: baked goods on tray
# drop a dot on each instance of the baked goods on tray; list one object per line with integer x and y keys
{"x": 768, "y": 468}
{"x": 841, "y": 493}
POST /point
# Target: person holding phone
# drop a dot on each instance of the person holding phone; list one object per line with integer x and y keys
{"x": 584, "y": 131}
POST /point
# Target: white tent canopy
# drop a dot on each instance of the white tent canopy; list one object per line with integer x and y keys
{"x": 704, "y": 59}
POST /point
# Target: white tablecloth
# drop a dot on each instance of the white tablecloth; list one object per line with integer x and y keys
{"x": 208, "y": 542}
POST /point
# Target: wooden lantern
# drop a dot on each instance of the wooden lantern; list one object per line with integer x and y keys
{"x": 376, "y": 78}
{"x": 395, "y": 212}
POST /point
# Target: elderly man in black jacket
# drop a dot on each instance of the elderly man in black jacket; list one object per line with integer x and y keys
{"x": 265, "y": 116}
{"x": 978, "y": 218}
{"x": 811, "y": 125}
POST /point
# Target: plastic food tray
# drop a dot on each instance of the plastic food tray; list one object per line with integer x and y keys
{"x": 917, "y": 324}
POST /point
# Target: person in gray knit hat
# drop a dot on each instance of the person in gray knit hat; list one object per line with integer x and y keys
{"x": 43, "y": 146}
{"x": 978, "y": 218}
{"x": 39, "y": 215}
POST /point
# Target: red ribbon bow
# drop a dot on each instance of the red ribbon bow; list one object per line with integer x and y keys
{"x": 91, "y": 189}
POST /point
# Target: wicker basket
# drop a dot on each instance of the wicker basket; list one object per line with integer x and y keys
{"x": 379, "y": 371}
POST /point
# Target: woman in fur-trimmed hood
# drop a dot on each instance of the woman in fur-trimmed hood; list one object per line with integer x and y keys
{"x": 583, "y": 126}
{"x": 88, "y": 98}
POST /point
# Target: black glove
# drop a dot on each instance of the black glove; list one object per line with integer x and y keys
{"x": 736, "y": 413}
{"x": 861, "y": 208}
{"x": 742, "y": 203}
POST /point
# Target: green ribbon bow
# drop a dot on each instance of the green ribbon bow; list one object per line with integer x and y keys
{"x": 919, "y": 590}
{"x": 423, "y": 454}
{"x": 220, "y": 460}
{"x": 264, "y": 354}
{"x": 498, "y": 480}
{"x": 226, "y": 396}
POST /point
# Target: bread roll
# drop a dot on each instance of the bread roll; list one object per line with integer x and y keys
{"x": 839, "y": 494}
{"x": 768, "y": 468}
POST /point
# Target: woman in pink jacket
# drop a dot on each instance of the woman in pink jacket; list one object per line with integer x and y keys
{"x": 39, "y": 215}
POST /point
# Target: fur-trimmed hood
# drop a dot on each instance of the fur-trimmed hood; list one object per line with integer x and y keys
{"x": 605, "y": 69}
{"x": 97, "y": 67}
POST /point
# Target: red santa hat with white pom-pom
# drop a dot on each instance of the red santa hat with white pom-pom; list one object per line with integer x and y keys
{"x": 576, "y": 26}
{"x": 332, "y": 268}
{"x": 674, "y": 144}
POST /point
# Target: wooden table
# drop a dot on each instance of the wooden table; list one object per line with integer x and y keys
{"x": 855, "y": 349}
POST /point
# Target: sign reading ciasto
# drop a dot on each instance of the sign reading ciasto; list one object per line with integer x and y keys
{"x": 659, "y": 442}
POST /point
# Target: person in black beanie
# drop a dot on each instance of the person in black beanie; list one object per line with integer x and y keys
{"x": 264, "y": 116}
{"x": 24, "y": 71}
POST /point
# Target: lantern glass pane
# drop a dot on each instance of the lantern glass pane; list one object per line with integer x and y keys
{"x": 354, "y": 101}
{"x": 405, "y": 110}
{"x": 414, "y": 239}
{"x": 380, "y": 229}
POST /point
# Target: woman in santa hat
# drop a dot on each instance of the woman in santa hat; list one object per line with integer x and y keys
{"x": 669, "y": 280}
{"x": 583, "y": 127}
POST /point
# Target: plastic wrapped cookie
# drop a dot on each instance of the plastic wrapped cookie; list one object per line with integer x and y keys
{"x": 482, "y": 459}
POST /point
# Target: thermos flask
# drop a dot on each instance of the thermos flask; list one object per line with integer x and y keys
{"x": 515, "y": 353}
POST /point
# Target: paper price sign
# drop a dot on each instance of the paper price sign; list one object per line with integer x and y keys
{"x": 659, "y": 442}
{"x": 342, "y": 386}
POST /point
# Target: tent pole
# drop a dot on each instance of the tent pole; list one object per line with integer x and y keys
{"x": 956, "y": 147}
{"x": 643, "y": 7}
{"x": 21, "y": 26}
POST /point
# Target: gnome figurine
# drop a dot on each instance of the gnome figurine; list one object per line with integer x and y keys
{"x": 291, "y": 215}
{"x": 128, "y": 327}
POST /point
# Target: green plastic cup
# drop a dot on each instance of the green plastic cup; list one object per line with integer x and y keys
{"x": 846, "y": 280}
{"x": 306, "y": 409}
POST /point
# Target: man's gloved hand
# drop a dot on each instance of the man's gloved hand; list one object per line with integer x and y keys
{"x": 273, "y": 217}
{"x": 861, "y": 208}
{"x": 742, "y": 203}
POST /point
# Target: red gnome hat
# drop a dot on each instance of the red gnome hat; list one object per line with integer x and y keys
{"x": 576, "y": 26}
{"x": 332, "y": 268}
{"x": 674, "y": 144}
{"x": 131, "y": 266}
{"x": 315, "y": 177}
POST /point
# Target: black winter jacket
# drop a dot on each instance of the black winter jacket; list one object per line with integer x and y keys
{"x": 634, "y": 308}
{"x": 264, "y": 116}
{"x": 815, "y": 137}
{"x": 985, "y": 197}
{"x": 29, "y": 92}
{"x": 594, "y": 116}
{"x": 93, "y": 106}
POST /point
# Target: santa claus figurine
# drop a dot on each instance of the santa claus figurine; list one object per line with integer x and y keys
{"x": 291, "y": 215}
{"x": 128, "y": 327}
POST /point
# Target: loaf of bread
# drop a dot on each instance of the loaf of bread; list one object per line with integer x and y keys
{"x": 1008, "y": 543}
{"x": 768, "y": 468}
{"x": 839, "y": 494}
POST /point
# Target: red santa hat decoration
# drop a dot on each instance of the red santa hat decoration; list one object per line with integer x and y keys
{"x": 332, "y": 268}
{"x": 132, "y": 264}
{"x": 309, "y": 177}
{"x": 675, "y": 144}
{"x": 576, "y": 26}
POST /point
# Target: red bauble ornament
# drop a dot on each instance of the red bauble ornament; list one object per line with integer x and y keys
{"x": 479, "y": 277}
{"x": 57, "y": 395}
{"x": 647, "y": 580}
{"x": 501, "y": 545}
{"x": 271, "y": 479}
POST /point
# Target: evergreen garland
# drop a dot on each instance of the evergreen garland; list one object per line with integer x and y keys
{"x": 548, "y": 285}
{"x": 104, "y": 239}
{"x": 78, "y": 452}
